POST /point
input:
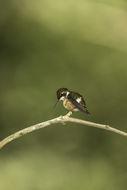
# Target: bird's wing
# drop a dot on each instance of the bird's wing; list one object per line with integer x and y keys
{"x": 82, "y": 108}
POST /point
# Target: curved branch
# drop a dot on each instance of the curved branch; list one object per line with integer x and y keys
{"x": 61, "y": 119}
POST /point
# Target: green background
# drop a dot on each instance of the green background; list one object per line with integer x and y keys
{"x": 46, "y": 45}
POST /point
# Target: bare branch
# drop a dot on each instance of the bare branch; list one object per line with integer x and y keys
{"x": 61, "y": 119}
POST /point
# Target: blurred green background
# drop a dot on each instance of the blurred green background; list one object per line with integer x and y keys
{"x": 45, "y": 45}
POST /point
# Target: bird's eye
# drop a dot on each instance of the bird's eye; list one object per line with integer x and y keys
{"x": 63, "y": 94}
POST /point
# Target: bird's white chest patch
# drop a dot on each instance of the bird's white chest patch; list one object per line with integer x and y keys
{"x": 62, "y": 98}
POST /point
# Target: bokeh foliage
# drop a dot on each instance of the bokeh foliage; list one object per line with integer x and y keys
{"x": 45, "y": 45}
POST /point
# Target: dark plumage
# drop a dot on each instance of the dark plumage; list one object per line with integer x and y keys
{"x": 73, "y": 97}
{"x": 72, "y": 101}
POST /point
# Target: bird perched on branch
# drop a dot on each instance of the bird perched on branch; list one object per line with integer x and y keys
{"x": 72, "y": 101}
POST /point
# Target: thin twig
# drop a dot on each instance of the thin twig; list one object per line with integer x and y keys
{"x": 61, "y": 119}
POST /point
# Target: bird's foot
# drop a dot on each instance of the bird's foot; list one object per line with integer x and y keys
{"x": 68, "y": 114}
{"x": 63, "y": 118}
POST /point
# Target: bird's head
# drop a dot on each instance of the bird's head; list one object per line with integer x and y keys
{"x": 62, "y": 93}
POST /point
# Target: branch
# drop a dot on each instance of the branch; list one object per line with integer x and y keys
{"x": 61, "y": 119}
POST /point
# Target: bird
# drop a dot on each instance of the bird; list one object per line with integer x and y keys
{"x": 72, "y": 101}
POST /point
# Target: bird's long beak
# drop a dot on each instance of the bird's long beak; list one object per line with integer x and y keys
{"x": 55, "y": 104}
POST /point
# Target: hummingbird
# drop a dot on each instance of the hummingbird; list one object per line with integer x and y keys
{"x": 72, "y": 101}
